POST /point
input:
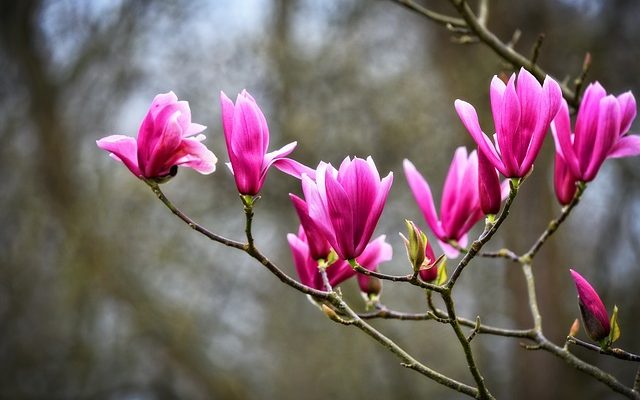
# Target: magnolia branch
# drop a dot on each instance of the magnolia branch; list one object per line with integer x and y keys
{"x": 248, "y": 248}
{"x": 612, "y": 351}
{"x": 476, "y": 25}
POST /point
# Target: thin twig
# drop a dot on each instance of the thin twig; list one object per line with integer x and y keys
{"x": 488, "y": 233}
{"x": 475, "y": 330}
{"x": 612, "y": 351}
{"x": 407, "y": 360}
{"x": 535, "y": 52}
{"x": 507, "y": 53}
{"x": 215, "y": 237}
{"x": 533, "y": 301}
{"x": 441, "y": 19}
{"x": 251, "y": 250}
{"x": 587, "y": 368}
{"x": 413, "y": 278}
{"x": 483, "y": 392}
{"x": 554, "y": 225}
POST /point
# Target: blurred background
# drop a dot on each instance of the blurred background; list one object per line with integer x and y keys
{"x": 106, "y": 295}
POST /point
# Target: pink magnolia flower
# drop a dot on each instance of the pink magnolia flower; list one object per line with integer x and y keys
{"x": 165, "y": 141}
{"x": 306, "y": 266}
{"x": 347, "y": 203}
{"x": 460, "y": 203}
{"x": 594, "y": 314}
{"x": 522, "y": 111}
{"x": 601, "y": 132}
{"x": 247, "y": 137}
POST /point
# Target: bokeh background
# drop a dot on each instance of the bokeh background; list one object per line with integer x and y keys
{"x": 105, "y": 295}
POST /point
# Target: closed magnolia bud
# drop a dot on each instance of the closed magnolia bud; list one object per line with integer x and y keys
{"x": 369, "y": 285}
{"x": 415, "y": 245}
{"x": 594, "y": 314}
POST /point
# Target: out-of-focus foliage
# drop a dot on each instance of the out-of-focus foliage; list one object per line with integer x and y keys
{"x": 104, "y": 294}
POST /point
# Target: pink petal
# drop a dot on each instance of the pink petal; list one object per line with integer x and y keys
{"x": 496, "y": 94}
{"x": 194, "y": 129}
{"x": 196, "y": 156}
{"x": 626, "y": 146}
{"x": 284, "y": 151}
{"x": 422, "y": 194}
{"x": 550, "y": 103}
{"x": 508, "y": 130}
{"x": 451, "y": 188}
{"x": 341, "y": 216}
{"x": 318, "y": 245}
{"x": 124, "y": 149}
{"x": 167, "y": 143}
{"x": 488, "y": 186}
{"x": 469, "y": 118}
{"x": 564, "y": 182}
{"x": 375, "y": 211}
{"x": 606, "y": 135}
{"x": 375, "y": 253}
{"x": 227, "y": 112}
{"x": 317, "y": 207}
{"x": 361, "y": 188}
{"x": 561, "y": 130}
{"x": 467, "y": 201}
{"x": 587, "y": 125}
{"x": 306, "y": 268}
{"x": 448, "y": 250}
{"x": 294, "y": 168}
{"x": 628, "y": 109}
{"x": 531, "y": 104}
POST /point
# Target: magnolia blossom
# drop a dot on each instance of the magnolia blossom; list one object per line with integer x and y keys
{"x": 375, "y": 253}
{"x": 594, "y": 314}
{"x": 601, "y": 132}
{"x": 166, "y": 139}
{"x": 522, "y": 111}
{"x": 429, "y": 271}
{"x": 247, "y": 137}
{"x": 347, "y": 203}
{"x": 460, "y": 203}
{"x": 489, "y": 188}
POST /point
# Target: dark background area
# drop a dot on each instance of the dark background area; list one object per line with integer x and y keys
{"x": 104, "y": 294}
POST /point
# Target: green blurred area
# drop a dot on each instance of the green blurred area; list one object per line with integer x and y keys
{"x": 104, "y": 294}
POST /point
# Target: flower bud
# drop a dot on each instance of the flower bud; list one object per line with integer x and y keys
{"x": 575, "y": 328}
{"x": 415, "y": 245}
{"x": 594, "y": 315}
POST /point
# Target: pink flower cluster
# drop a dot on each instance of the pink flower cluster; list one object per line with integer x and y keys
{"x": 342, "y": 206}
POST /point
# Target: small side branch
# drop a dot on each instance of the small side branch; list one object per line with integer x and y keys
{"x": 193, "y": 225}
{"x": 488, "y": 233}
{"x": 407, "y": 360}
{"x": 554, "y": 224}
{"x": 612, "y": 351}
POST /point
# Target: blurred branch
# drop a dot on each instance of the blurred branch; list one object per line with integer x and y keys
{"x": 476, "y": 25}
{"x": 441, "y": 19}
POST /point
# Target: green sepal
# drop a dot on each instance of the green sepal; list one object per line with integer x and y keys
{"x": 442, "y": 272}
{"x": 614, "y": 334}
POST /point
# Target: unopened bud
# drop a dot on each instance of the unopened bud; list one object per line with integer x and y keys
{"x": 369, "y": 285}
{"x": 415, "y": 245}
{"x": 330, "y": 312}
{"x": 575, "y": 328}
